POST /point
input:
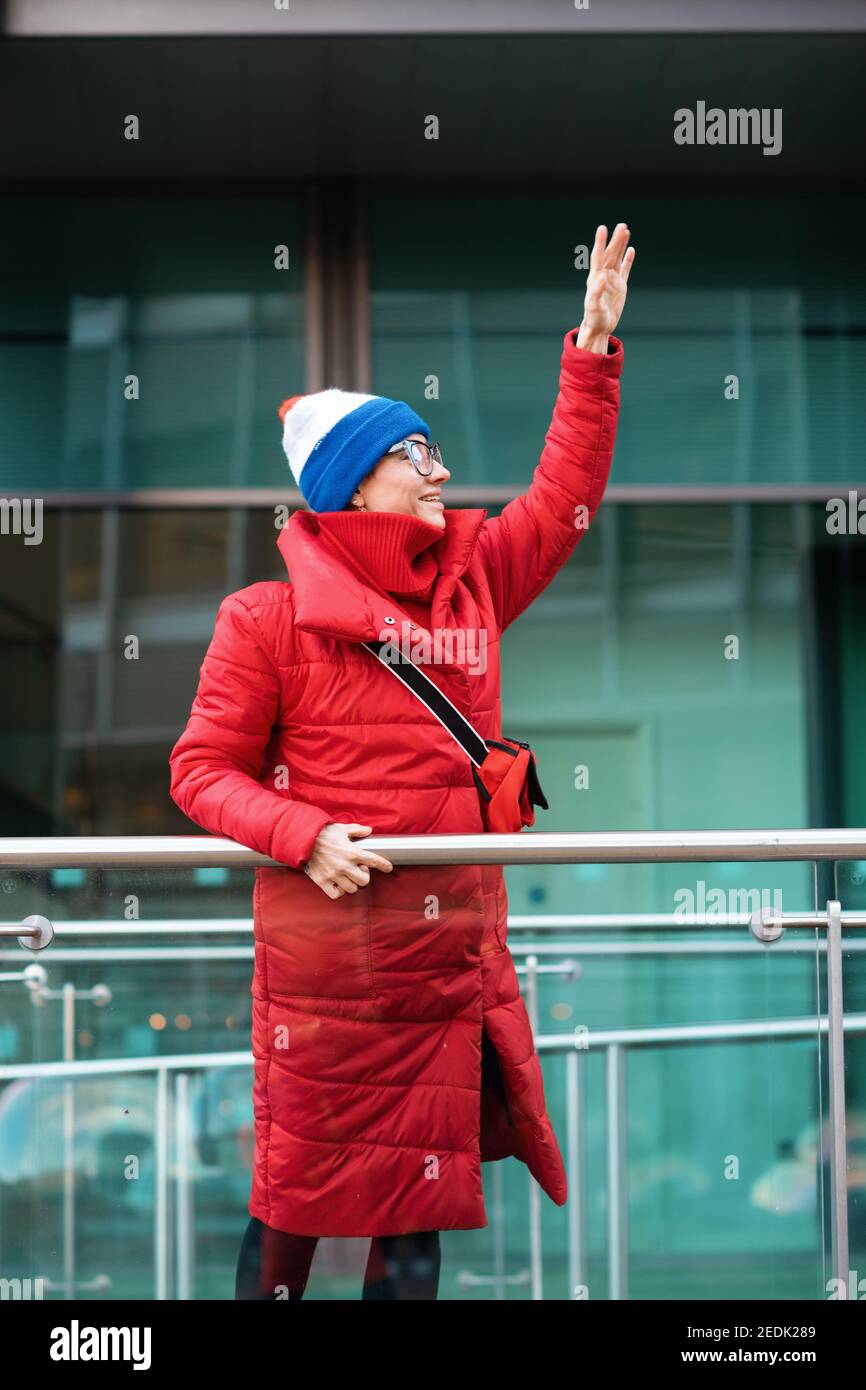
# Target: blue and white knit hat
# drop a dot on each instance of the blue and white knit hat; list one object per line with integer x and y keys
{"x": 333, "y": 439}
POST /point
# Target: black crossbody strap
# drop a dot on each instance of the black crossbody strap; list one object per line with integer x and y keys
{"x": 438, "y": 704}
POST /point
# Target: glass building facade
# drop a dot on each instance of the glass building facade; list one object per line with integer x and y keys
{"x": 146, "y": 340}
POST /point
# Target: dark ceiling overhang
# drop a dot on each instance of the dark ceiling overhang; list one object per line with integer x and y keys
{"x": 553, "y": 110}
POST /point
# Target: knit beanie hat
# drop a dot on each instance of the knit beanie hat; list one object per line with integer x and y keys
{"x": 333, "y": 439}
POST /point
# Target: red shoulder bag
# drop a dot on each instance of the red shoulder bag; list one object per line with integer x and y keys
{"x": 504, "y": 770}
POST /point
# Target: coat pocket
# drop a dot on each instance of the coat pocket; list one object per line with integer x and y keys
{"x": 316, "y": 947}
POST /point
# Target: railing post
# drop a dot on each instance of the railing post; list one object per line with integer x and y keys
{"x": 617, "y": 1173}
{"x": 160, "y": 1182}
{"x": 575, "y": 1172}
{"x": 836, "y": 1072}
{"x": 535, "y": 1251}
{"x": 184, "y": 1192}
{"x": 68, "y": 1000}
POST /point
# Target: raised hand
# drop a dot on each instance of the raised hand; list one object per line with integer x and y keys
{"x": 606, "y": 287}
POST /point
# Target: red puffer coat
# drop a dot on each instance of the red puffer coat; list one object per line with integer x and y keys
{"x": 393, "y": 1052}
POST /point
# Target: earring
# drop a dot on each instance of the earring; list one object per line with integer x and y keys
{"x": 360, "y": 506}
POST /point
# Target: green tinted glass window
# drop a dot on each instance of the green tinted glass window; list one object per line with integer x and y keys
{"x": 743, "y": 352}
{"x": 147, "y": 342}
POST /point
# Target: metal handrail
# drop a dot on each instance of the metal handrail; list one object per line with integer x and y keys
{"x": 141, "y": 852}
{"x": 527, "y": 847}
{"x": 579, "y": 922}
{"x": 624, "y": 950}
{"x": 560, "y": 1043}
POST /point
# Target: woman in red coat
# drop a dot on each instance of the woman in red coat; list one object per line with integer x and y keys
{"x": 392, "y": 1050}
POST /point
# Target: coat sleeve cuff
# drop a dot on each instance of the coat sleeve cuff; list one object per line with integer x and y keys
{"x": 295, "y": 836}
{"x": 580, "y": 362}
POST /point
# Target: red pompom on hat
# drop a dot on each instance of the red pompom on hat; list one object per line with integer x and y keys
{"x": 287, "y": 405}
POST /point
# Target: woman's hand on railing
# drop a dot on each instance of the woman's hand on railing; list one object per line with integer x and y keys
{"x": 337, "y": 865}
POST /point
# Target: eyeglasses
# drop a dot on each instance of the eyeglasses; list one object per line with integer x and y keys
{"x": 422, "y": 456}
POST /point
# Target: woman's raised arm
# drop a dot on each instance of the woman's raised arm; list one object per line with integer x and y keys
{"x": 524, "y": 547}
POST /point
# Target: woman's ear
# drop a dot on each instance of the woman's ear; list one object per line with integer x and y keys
{"x": 358, "y": 502}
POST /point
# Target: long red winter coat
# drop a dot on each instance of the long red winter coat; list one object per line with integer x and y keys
{"x": 393, "y": 1052}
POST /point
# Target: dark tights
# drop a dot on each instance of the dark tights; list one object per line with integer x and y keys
{"x": 275, "y": 1265}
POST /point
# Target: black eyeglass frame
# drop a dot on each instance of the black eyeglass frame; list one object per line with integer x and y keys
{"x": 433, "y": 454}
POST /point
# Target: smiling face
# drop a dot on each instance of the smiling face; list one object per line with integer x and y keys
{"x": 394, "y": 486}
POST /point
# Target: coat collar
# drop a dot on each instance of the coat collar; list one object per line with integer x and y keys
{"x": 334, "y": 600}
